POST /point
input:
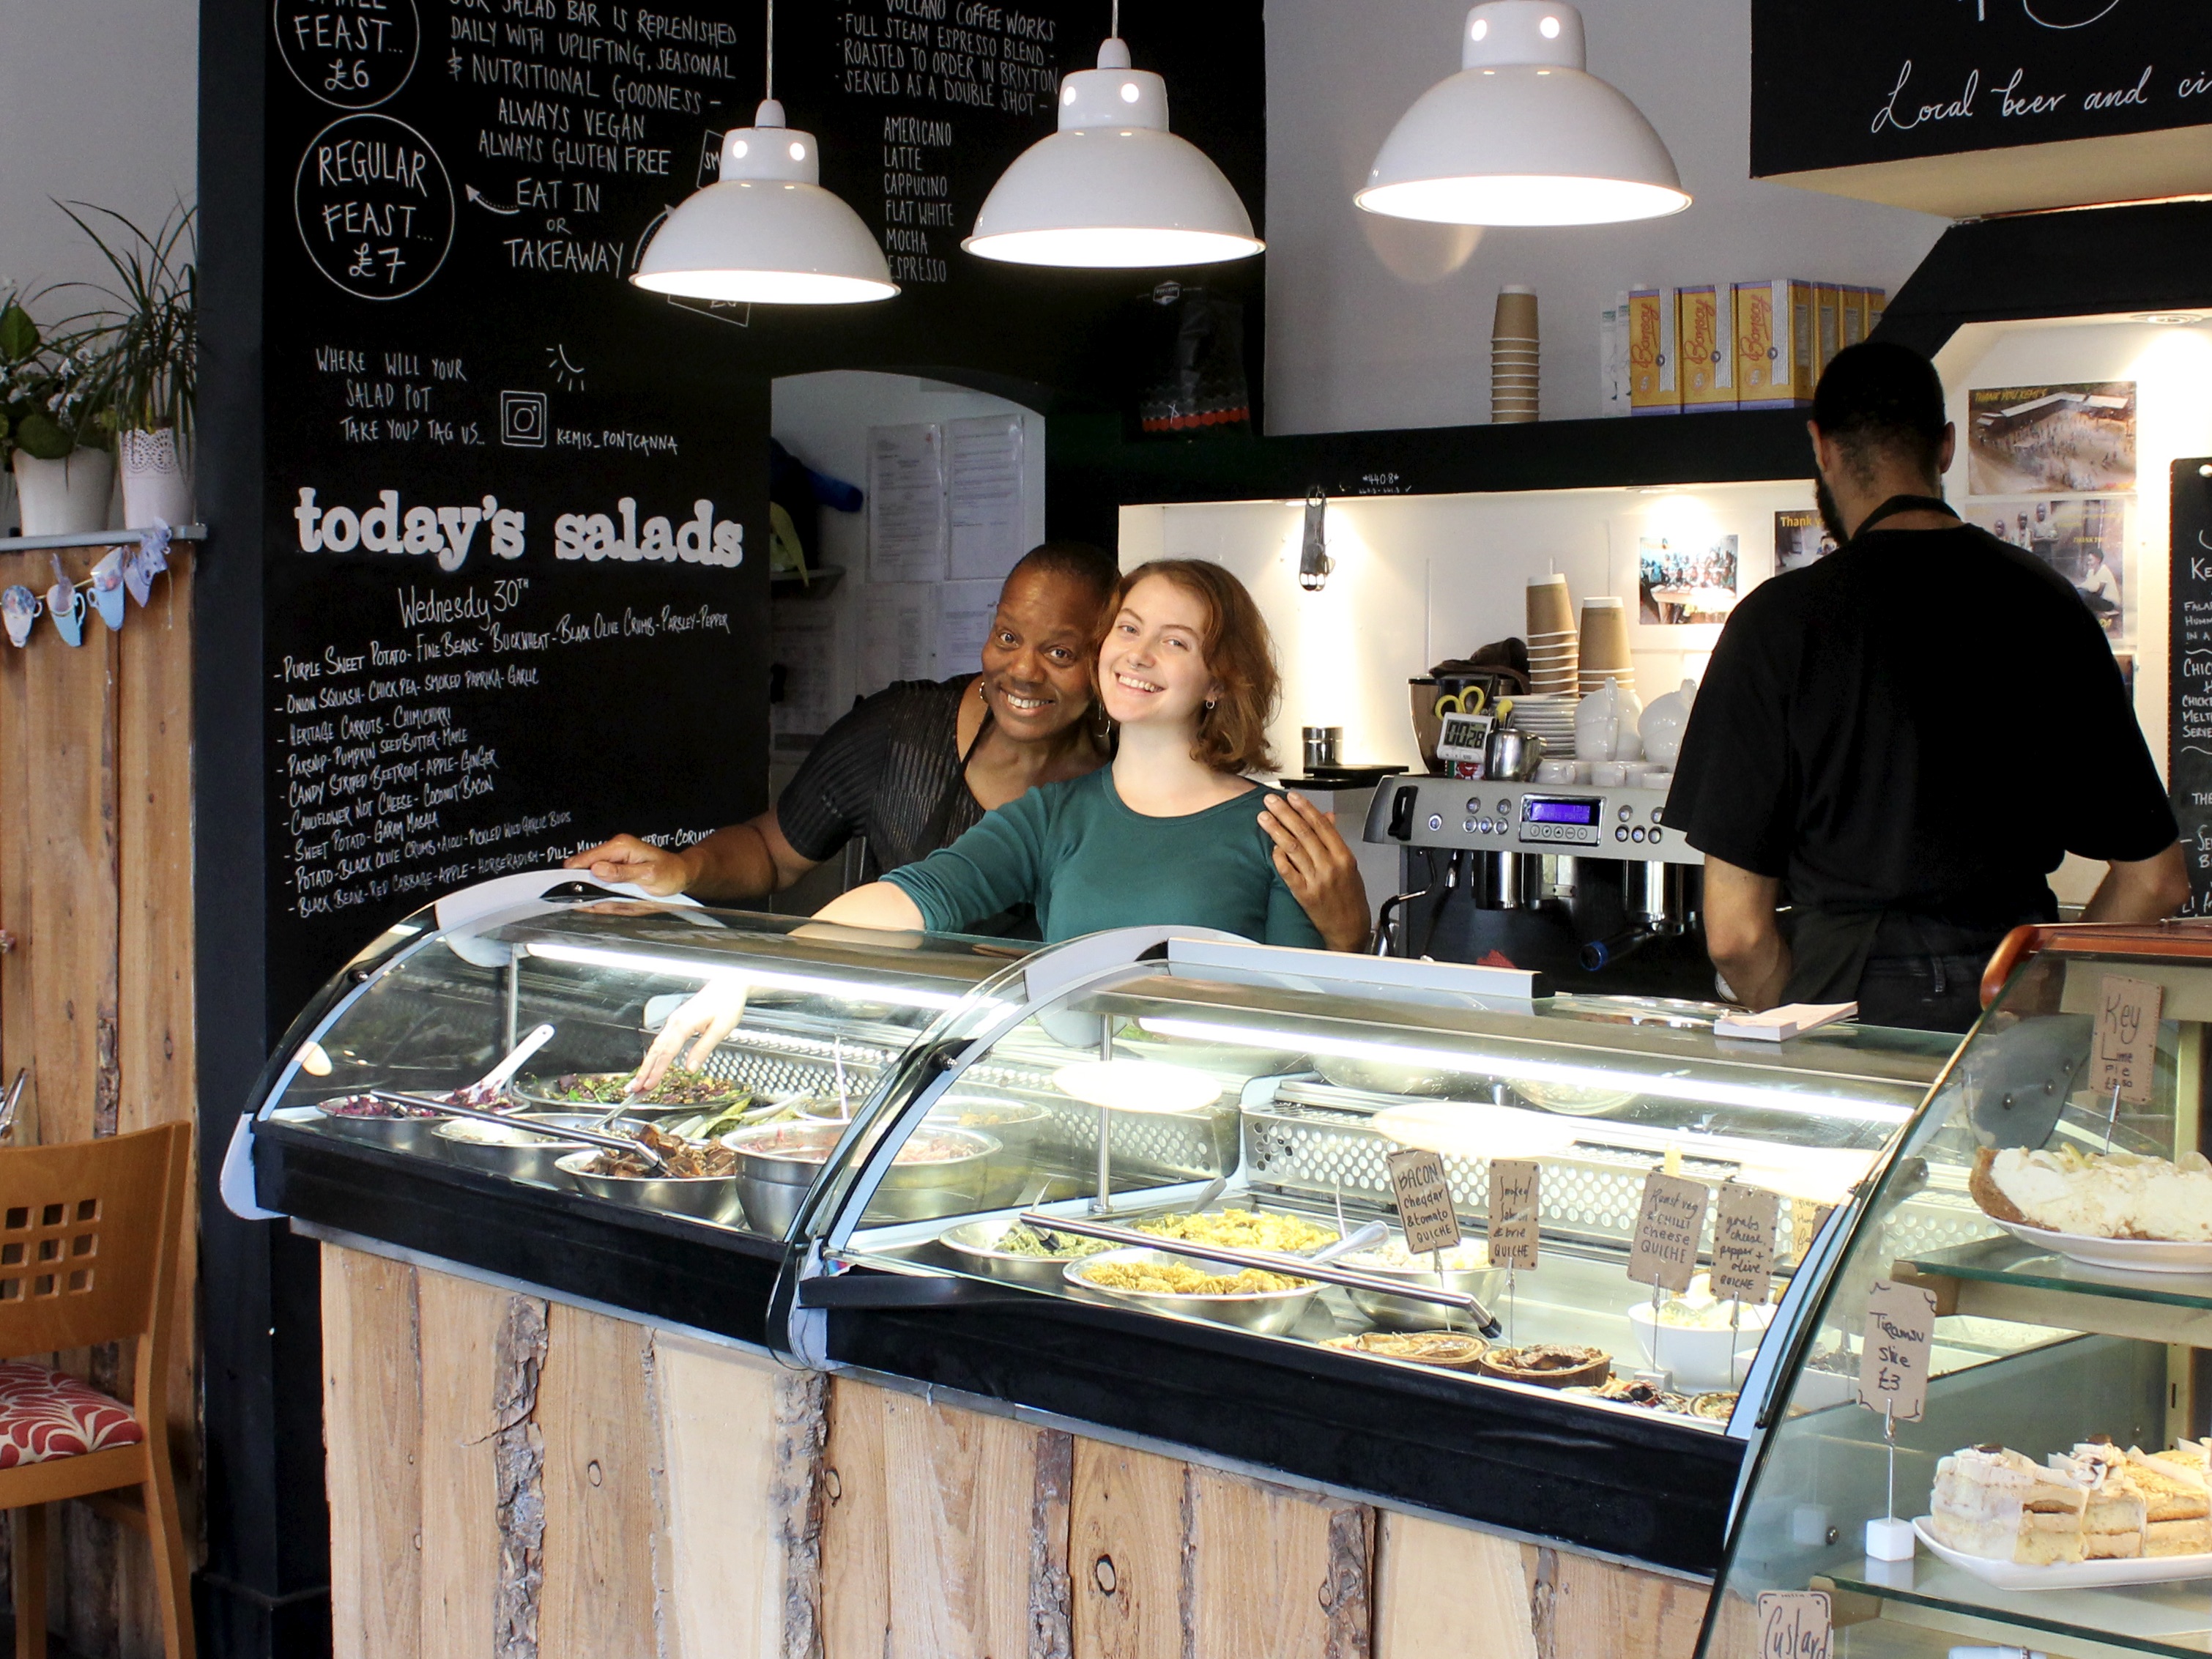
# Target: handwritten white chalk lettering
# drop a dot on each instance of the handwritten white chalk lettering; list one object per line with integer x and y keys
{"x": 2126, "y": 1057}
{"x": 1669, "y": 1223}
{"x": 1425, "y": 1200}
{"x": 1743, "y": 1243}
{"x": 1516, "y": 1214}
{"x": 1900, "y": 1326}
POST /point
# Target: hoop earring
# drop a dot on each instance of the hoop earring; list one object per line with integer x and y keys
{"x": 1209, "y": 708}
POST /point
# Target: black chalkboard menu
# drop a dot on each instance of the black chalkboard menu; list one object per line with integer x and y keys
{"x": 515, "y": 577}
{"x": 2189, "y": 693}
{"x": 1885, "y": 79}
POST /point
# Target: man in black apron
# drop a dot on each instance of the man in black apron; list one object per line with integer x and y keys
{"x": 1901, "y": 741}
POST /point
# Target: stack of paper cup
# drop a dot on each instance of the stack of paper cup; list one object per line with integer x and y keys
{"x": 1513, "y": 356}
{"x": 1604, "y": 644}
{"x": 1553, "y": 642}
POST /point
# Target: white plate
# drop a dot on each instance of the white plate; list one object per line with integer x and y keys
{"x": 2140, "y": 1255}
{"x": 2068, "y": 1575}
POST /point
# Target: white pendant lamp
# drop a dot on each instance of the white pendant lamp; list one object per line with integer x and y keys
{"x": 766, "y": 232}
{"x": 1113, "y": 189}
{"x": 1523, "y": 135}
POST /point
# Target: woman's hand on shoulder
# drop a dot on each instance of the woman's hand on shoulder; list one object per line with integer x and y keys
{"x": 659, "y": 871}
{"x": 1319, "y": 869}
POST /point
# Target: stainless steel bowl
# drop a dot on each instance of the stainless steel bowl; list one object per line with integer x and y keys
{"x": 710, "y": 1198}
{"x": 521, "y": 1155}
{"x": 1400, "y": 1313}
{"x": 1270, "y": 1313}
{"x": 975, "y": 1243}
{"x": 1019, "y": 1127}
{"x": 779, "y": 1162}
{"x": 535, "y": 1092}
{"x": 1383, "y": 1076}
{"x": 399, "y": 1134}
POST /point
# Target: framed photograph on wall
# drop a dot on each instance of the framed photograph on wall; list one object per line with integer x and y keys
{"x": 2063, "y": 439}
{"x": 2084, "y": 539}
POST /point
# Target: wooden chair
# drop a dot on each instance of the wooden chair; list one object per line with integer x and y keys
{"x": 88, "y": 1245}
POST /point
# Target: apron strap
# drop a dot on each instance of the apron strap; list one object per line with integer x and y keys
{"x": 1897, "y": 504}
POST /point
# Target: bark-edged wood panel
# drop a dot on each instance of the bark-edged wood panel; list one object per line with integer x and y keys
{"x": 1274, "y": 1573}
{"x": 1442, "y": 1591}
{"x": 1599, "y": 1608}
{"x": 372, "y": 1430}
{"x": 460, "y": 1322}
{"x": 856, "y": 1605}
{"x": 593, "y": 1409}
{"x": 1126, "y": 1541}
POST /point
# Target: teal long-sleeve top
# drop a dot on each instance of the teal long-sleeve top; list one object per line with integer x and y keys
{"x": 1087, "y": 863}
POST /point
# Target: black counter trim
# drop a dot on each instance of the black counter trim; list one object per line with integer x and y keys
{"x": 1636, "y": 1486}
{"x": 663, "y": 1266}
{"x": 1617, "y": 1483}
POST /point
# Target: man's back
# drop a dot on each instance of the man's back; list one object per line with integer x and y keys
{"x": 1925, "y": 721}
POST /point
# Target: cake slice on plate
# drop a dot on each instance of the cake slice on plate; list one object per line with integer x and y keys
{"x": 2179, "y": 1505}
{"x": 2003, "y": 1506}
{"x": 2115, "y": 1518}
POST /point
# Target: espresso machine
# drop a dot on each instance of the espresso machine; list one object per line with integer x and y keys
{"x": 1585, "y": 884}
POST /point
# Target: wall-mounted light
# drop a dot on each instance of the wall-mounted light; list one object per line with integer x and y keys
{"x": 1313, "y": 562}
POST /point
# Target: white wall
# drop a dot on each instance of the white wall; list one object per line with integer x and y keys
{"x": 1421, "y": 577}
{"x": 1375, "y": 323}
{"x": 824, "y": 419}
{"x": 99, "y": 102}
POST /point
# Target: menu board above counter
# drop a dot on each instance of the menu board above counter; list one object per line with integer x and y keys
{"x": 515, "y": 575}
{"x": 2113, "y": 85}
{"x": 2189, "y": 697}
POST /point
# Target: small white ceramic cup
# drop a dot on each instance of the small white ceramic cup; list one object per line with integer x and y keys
{"x": 1556, "y": 771}
{"x": 1607, "y": 774}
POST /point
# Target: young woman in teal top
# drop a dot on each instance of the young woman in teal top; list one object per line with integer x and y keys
{"x": 1171, "y": 830}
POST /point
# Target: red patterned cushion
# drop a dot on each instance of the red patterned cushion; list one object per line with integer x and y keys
{"x": 46, "y": 1414}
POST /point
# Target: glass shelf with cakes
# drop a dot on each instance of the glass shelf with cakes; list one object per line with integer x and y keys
{"x": 1191, "y": 1136}
{"x": 2050, "y": 1493}
{"x": 588, "y": 1048}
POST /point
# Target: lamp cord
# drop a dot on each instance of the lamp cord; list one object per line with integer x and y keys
{"x": 1117, "y": 19}
{"x": 771, "y": 47}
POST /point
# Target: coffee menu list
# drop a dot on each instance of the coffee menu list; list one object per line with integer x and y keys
{"x": 2189, "y": 744}
{"x": 514, "y": 590}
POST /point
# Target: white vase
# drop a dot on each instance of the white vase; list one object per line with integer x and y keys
{"x": 65, "y": 497}
{"x": 156, "y": 484}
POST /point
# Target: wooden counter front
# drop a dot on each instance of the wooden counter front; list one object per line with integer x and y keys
{"x": 511, "y": 1475}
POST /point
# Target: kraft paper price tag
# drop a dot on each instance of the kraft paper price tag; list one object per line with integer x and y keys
{"x": 1900, "y": 1325}
{"x": 1667, "y": 1229}
{"x": 1794, "y": 1624}
{"x": 1743, "y": 1243}
{"x": 1516, "y": 1213}
{"x": 2127, "y": 1038}
{"x": 1424, "y": 1202}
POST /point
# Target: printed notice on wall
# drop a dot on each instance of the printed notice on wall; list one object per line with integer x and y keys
{"x": 964, "y": 610}
{"x": 906, "y": 503}
{"x": 2127, "y": 1038}
{"x": 1743, "y": 1243}
{"x": 1669, "y": 1226}
{"x": 1425, "y": 1200}
{"x": 989, "y": 515}
{"x": 1900, "y": 1325}
{"x": 1514, "y": 1211}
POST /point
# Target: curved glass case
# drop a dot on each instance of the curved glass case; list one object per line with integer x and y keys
{"x": 787, "y": 1027}
{"x": 1179, "y": 1136}
{"x": 2047, "y": 1221}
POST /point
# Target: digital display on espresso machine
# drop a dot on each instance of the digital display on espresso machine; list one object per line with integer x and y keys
{"x": 1572, "y": 818}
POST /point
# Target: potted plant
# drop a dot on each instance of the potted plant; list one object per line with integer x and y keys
{"x": 53, "y": 389}
{"x": 149, "y": 341}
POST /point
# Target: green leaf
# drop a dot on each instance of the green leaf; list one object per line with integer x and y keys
{"x": 41, "y": 437}
{"x": 18, "y": 335}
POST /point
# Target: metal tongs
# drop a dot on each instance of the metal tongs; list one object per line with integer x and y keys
{"x": 589, "y": 1137}
{"x": 12, "y": 1100}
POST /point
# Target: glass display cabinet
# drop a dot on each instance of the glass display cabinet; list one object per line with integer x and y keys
{"x": 2051, "y": 1203}
{"x": 377, "y": 1116}
{"x": 1175, "y": 1144}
